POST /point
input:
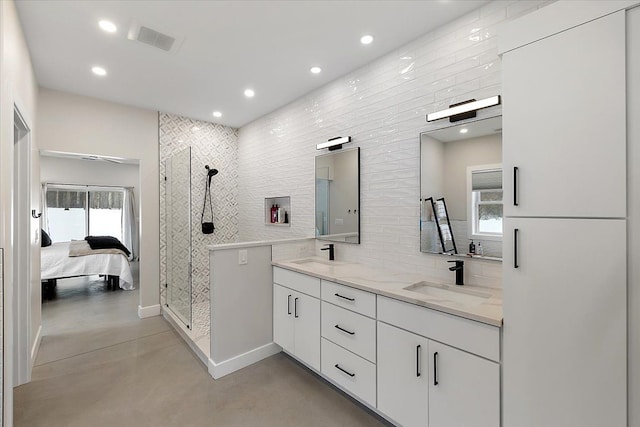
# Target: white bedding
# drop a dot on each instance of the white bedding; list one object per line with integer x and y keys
{"x": 56, "y": 263}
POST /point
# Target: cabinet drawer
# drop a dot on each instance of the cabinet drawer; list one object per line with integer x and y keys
{"x": 351, "y": 372}
{"x": 299, "y": 282}
{"x": 474, "y": 337}
{"x": 350, "y": 330}
{"x": 351, "y": 298}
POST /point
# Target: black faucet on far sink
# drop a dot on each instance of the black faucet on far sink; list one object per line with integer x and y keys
{"x": 459, "y": 269}
{"x": 329, "y": 248}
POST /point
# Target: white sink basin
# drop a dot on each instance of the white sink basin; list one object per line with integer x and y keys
{"x": 313, "y": 262}
{"x": 450, "y": 292}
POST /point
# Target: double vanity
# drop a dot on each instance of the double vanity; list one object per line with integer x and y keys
{"x": 416, "y": 352}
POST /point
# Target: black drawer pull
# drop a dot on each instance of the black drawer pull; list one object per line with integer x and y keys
{"x": 418, "y": 373}
{"x": 435, "y": 368}
{"x": 515, "y": 186}
{"x": 343, "y": 297}
{"x": 346, "y": 372}
{"x": 515, "y": 248}
{"x": 295, "y": 308}
{"x": 289, "y": 304}
{"x": 344, "y": 330}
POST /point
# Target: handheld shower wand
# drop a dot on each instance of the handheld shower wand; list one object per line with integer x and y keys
{"x": 211, "y": 172}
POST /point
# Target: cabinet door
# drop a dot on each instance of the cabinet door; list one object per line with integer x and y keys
{"x": 564, "y": 123}
{"x": 402, "y": 376}
{"x": 464, "y": 390}
{"x": 564, "y": 334}
{"x": 306, "y": 311}
{"x": 283, "y": 299}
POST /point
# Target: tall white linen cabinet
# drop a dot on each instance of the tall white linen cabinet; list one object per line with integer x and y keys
{"x": 565, "y": 269}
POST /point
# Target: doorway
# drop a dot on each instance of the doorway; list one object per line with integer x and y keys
{"x": 22, "y": 248}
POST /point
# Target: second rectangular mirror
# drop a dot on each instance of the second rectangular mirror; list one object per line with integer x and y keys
{"x": 461, "y": 189}
{"x": 338, "y": 196}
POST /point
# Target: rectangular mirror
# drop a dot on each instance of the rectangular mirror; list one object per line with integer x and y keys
{"x": 338, "y": 196}
{"x": 461, "y": 189}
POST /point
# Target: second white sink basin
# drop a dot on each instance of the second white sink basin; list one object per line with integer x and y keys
{"x": 449, "y": 292}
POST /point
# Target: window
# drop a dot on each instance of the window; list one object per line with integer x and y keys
{"x": 74, "y": 212}
{"x": 485, "y": 202}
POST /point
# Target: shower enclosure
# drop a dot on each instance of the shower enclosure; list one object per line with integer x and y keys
{"x": 178, "y": 232}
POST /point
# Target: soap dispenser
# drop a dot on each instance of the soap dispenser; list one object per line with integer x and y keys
{"x": 472, "y": 248}
{"x": 479, "y": 250}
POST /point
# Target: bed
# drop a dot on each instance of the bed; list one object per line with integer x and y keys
{"x": 57, "y": 264}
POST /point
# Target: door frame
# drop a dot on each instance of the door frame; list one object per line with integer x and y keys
{"x": 21, "y": 238}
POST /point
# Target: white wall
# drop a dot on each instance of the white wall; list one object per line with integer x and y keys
{"x": 87, "y": 172}
{"x": 458, "y": 155}
{"x": 18, "y": 86}
{"x": 383, "y": 107}
{"x": 77, "y": 124}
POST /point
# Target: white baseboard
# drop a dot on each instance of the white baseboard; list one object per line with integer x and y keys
{"x": 219, "y": 370}
{"x": 148, "y": 311}
{"x": 36, "y": 346}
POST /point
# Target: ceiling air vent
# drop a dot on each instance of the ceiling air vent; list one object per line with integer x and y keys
{"x": 153, "y": 38}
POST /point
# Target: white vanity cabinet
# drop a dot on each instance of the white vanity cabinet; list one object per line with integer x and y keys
{"x": 349, "y": 339}
{"x": 296, "y": 315}
{"x": 403, "y": 376}
{"x": 564, "y": 123}
{"x": 423, "y": 382}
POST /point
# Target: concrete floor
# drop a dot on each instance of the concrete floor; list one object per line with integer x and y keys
{"x": 99, "y": 365}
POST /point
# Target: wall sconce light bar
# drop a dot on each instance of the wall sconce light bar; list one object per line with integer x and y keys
{"x": 334, "y": 143}
{"x": 464, "y": 108}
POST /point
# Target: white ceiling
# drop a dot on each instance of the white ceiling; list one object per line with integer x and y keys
{"x": 227, "y": 46}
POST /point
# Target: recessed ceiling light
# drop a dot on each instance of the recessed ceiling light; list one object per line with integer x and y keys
{"x": 249, "y": 93}
{"x": 107, "y": 26}
{"x": 217, "y": 114}
{"x": 366, "y": 39}
{"x": 464, "y": 130}
{"x": 99, "y": 71}
{"x": 315, "y": 70}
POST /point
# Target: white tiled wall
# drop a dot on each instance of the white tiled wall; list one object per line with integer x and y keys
{"x": 382, "y": 106}
{"x": 214, "y": 145}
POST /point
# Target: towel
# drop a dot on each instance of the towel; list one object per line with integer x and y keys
{"x": 446, "y": 233}
{"x": 440, "y": 210}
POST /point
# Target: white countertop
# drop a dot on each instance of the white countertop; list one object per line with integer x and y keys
{"x": 392, "y": 284}
{"x": 237, "y": 245}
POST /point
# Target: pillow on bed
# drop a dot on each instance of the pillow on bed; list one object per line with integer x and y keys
{"x": 45, "y": 240}
{"x": 106, "y": 242}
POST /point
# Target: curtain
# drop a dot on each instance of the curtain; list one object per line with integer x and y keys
{"x": 129, "y": 224}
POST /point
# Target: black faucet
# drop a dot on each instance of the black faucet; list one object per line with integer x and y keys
{"x": 459, "y": 269}
{"x": 329, "y": 248}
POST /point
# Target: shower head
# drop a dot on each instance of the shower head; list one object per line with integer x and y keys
{"x": 211, "y": 172}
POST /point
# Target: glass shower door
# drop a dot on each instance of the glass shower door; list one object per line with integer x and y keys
{"x": 178, "y": 211}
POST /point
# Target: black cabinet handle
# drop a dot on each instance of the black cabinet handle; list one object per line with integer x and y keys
{"x": 418, "y": 360}
{"x": 344, "y": 330}
{"x": 343, "y": 297}
{"x": 346, "y": 372}
{"x": 515, "y": 248}
{"x": 289, "y": 304}
{"x": 515, "y": 186}
{"x": 435, "y": 368}
{"x": 295, "y": 308}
